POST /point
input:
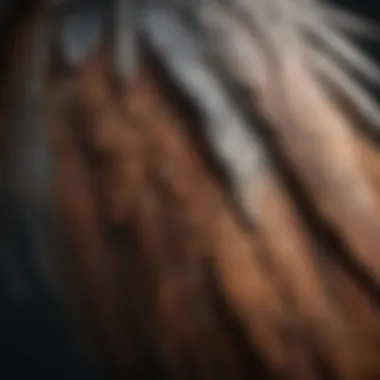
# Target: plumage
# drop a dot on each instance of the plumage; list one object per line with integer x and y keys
{"x": 216, "y": 216}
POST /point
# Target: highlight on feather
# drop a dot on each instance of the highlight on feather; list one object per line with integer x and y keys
{"x": 288, "y": 55}
{"x": 232, "y": 141}
{"x": 80, "y": 33}
{"x": 124, "y": 24}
